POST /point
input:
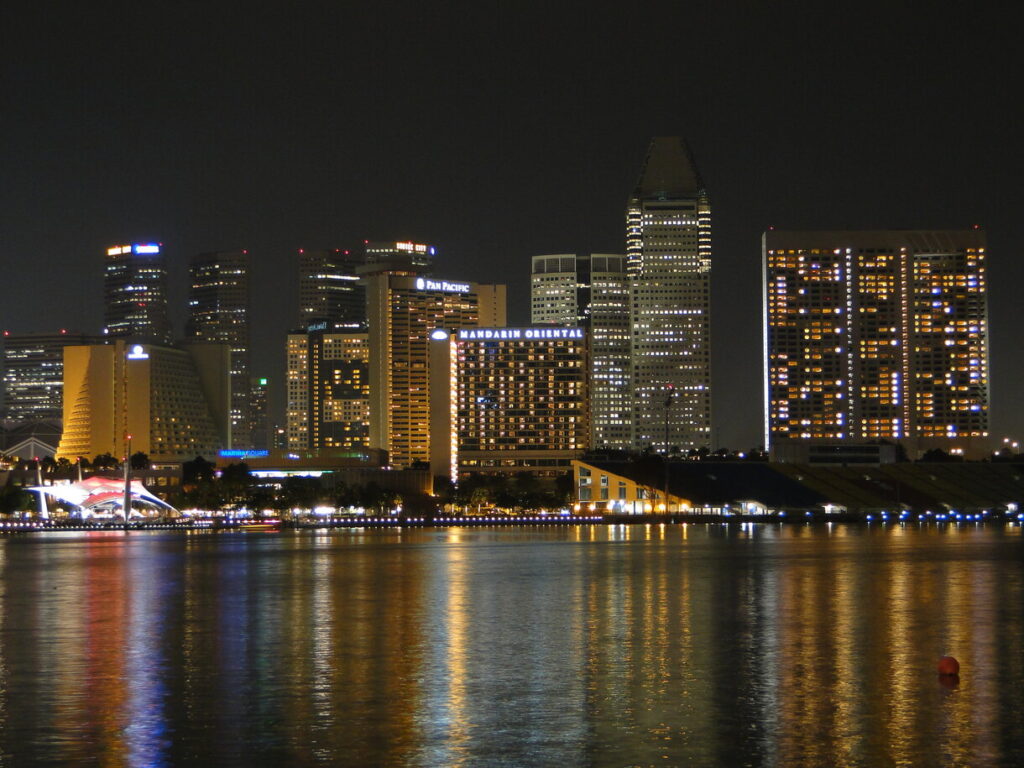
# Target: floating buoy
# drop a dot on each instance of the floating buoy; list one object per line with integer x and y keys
{"x": 949, "y": 666}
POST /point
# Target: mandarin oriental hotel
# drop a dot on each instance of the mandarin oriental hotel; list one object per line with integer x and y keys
{"x": 508, "y": 400}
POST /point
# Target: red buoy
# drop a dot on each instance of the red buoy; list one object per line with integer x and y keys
{"x": 949, "y": 666}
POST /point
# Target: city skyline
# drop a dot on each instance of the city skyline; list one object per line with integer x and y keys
{"x": 226, "y": 139}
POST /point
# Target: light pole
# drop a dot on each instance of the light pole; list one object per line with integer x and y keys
{"x": 671, "y": 390}
{"x": 127, "y": 482}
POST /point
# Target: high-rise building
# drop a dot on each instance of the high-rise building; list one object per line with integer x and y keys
{"x": 218, "y": 311}
{"x": 333, "y": 411}
{"x": 591, "y": 290}
{"x": 876, "y": 335}
{"x": 668, "y": 259}
{"x": 173, "y": 402}
{"x": 405, "y": 307}
{"x": 402, "y": 254}
{"x": 329, "y": 288}
{"x": 508, "y": 400}
{"x": 135, "y": 293}
{"x": 296, "y": 410}
{"x": 260, "y": 427}
{"x": 33, "y": 373}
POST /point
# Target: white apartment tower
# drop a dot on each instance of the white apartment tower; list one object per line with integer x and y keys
{"x": 668, "y": 260}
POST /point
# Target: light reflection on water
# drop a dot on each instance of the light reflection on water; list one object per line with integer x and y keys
{"x": 712, "y": 645}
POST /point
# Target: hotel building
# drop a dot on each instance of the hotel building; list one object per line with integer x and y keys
{"x": 404, "y": 308}
{"x": 591, "y": 291}
{"x": 135, "y": 293}
{"x": 876, "y": 335}
{"x": 175, "y": 403}
{"x": 668, "y": 261}
{"x": 508, "y": 400}
{"x": 219, "y": 311}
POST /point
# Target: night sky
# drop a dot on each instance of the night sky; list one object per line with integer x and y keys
{"x": 496, "y": 131}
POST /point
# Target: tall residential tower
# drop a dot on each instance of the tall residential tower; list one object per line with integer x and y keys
{"x": 874, "y": 336}
{"x": 668, "y": 259}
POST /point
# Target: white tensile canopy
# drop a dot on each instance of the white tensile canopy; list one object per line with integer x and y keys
{"x": 95, "y": 492}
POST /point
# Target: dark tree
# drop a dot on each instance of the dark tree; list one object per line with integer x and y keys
{"x": 196, "y": 471}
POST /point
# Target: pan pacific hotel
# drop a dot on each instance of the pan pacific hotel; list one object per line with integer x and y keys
{"x": 404, "y": 307}
{"x": 508, "y": 400}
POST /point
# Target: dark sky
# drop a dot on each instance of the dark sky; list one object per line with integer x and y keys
{"x": 496, "y": 131}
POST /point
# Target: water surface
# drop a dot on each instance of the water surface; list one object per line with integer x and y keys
{"x": 605, "y": 646}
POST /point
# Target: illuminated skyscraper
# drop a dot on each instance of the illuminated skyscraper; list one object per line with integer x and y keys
{"x": 508, "y": 400}
{"x": 401, "y": 254}
{"x": 219, "y": 307}
{"x": 329, "y": 398}
{"x": 404, "y": 308}
{"x": 877, "y": 335}
{"x": 33, "y": 373}
{"x": 260, "y": 426}
{"x": 329, "y": 288}
{"x": 135, "y": 293}
{"x": 297, "y": 391}
{"x": 591, "y": 290}
{"x": 668, "y": 260}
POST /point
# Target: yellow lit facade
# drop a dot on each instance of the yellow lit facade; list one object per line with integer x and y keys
{"x": 877, "y": 336}
{"x": 404, "y": 308}
{"x": 516, "y": 400}
{"x": 328, "y": 382}
{"x": 175, "y": 403}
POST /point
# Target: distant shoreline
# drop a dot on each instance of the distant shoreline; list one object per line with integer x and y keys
{"x": 520, "y": 521}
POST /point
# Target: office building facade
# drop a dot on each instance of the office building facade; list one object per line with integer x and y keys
{"x": 668, "y": 261}
{"x": 33, "y": 373}
{"x": 219, "y": 309}
{"x": 135, "y": 293}
{"x": 877, "y": 335}
{"x": 328, "y": 409}
{"x": 592, "y": 291}
{"x": 329, "y": 288}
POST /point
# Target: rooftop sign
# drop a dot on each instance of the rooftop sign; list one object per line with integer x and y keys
{"x": 426, "y": 284}
{"x": 477, "y": 334}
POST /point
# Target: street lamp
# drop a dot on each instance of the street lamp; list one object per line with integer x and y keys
{"x": 127, "y": 481}
{"x": 669, "y": 397}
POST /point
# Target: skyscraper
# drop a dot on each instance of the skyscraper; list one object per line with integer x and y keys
{"x": 328, "y": 401}
{"x": 404, "y": 309}
{"x": 591, "y": 290}
{"x": 218, "y": 311}
{"x": 135, "y": 293}
{"x": 33, "y": 373}
{"x": 329, "y": 288}
{"x": 668, "y": 259}
{"x": 877, "y": 335}
{"x": 508, "y": 400}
